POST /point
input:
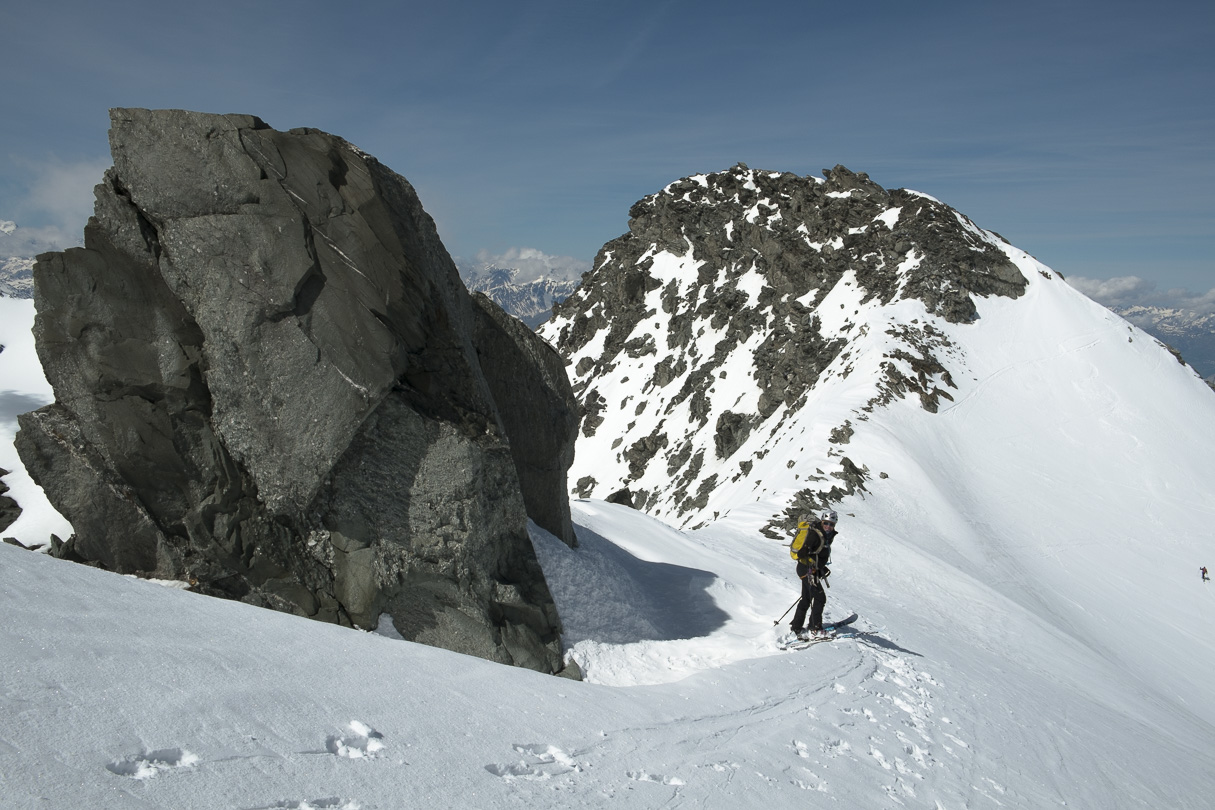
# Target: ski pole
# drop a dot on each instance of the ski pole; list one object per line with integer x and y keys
{"x": 786, "y": 613}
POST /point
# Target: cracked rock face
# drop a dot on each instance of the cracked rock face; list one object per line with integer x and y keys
{"x": 268, "y": 382}
{"x": 700, "y": 342}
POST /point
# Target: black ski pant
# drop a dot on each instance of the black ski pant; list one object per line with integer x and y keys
{"x": 814, "y": 599}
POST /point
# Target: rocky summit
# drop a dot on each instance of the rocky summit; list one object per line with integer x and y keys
{"x": 699, "y": 339}
{"x": 270, "y": 382}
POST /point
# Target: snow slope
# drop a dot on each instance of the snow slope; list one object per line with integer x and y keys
{"x": 117, "y": 692}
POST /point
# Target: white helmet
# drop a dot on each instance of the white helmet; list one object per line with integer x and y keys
{"x": 830, "y": 516}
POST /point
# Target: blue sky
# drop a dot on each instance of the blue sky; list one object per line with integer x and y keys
{"x": 1082, "y": 132}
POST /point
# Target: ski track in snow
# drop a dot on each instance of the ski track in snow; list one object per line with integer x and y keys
{"x": 880, "y": 716}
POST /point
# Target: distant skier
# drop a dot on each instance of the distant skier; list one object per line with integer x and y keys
{"x": 1205, "y": 578}
{"x": 811, "y": 547}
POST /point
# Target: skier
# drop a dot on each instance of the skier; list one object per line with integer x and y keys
{"x": 812, "y": 549}
{"x": 1205, "y": 578}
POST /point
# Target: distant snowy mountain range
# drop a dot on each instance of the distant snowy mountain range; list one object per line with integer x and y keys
{"x": 16, "y": 261}
{"x": 1190, "y": 333}
{"x": 529, "y": 301}
{"x": 17, "y": 277}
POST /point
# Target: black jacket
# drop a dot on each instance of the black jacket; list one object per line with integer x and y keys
{"x": 820, "y": 546}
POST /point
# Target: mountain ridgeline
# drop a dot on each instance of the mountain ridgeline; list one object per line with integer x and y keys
{"x": 700, "y": 335}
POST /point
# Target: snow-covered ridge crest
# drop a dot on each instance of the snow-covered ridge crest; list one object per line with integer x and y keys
{"x": 729, "y": 346}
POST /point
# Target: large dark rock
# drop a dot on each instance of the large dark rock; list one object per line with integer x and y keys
{"x": 538, "y": 409}
{"x": 267, "y": 382}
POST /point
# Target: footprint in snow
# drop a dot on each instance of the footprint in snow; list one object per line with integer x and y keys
{"x": 643, "y": 776}
{"x": 361, "y": 742}
{"x": 152, "y": 763}
{"x": 541, "y": 762}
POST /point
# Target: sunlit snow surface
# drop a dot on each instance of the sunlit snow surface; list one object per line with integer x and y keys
{"x": 1033, "y": 630}
{"x": 120, "y": 693}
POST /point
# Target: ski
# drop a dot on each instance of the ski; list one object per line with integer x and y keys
{"x": 799, "y": 644}
{"x": 841, "y": 622}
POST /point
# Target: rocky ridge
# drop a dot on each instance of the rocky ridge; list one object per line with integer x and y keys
{"x": 271, "y": 383}
{"x": 701, "y": 334}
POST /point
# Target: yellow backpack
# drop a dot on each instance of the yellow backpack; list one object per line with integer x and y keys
{"x": 799, "y": 540}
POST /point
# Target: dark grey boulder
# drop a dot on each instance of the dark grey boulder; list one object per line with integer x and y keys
{"x": 527, "y": 378}
{"x": 267, "y": 382}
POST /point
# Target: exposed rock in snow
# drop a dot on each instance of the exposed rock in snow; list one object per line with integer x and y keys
{"x": 267, "y": 381}
{"x": 699, "y": 335}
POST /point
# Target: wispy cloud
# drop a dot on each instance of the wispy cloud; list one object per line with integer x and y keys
{"x": 23, "y": 242}
{"x": 1127, "y": 291}
{"x": 53, "y": 206}
{"x": 62, "y": 191}
{"x": 530, "y": 263}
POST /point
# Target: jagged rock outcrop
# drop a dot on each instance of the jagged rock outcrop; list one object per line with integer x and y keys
{"x": 267, "y": 382}
{"x": 537, "y": 407}
{"x": 703, "y": 332}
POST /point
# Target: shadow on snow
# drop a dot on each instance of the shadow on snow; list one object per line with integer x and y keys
{"x": 606, "y": 594}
